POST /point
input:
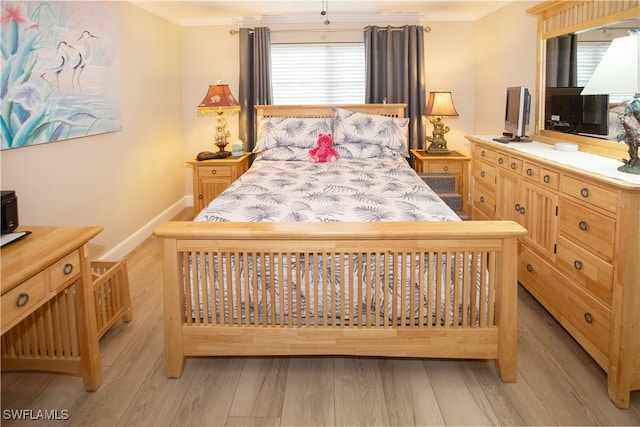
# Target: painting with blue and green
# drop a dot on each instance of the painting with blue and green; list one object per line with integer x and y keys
{"x": 60, "y": 71}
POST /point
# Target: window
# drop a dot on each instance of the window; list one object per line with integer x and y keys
{"x": 318, "y": 73}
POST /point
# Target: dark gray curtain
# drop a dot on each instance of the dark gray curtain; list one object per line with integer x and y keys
{"x": 255, "y": 79}
{"x": 394, "y": 59}
{"x": 562, "y": 61}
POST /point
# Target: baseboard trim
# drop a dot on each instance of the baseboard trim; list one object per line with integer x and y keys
{"x": 121, "y": 250}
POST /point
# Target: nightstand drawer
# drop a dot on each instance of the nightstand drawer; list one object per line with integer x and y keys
{"x": 588, "y": 227}
{"x": 19, "y": 302}
{"x": 215, "y": 171}
{"x": 597, "y": 196}
{"x": 449, "y": 167}
{"x": 64, "y": 271}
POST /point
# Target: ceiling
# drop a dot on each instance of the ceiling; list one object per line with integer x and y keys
{"x": 190, "y": 13}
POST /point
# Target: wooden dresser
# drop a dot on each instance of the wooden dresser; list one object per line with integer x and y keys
{"x": 212, "y": 177}
{"x": 48, "y": 310}
{"x": 581, "y": 257}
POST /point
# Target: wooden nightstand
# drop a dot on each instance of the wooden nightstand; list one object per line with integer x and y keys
{"x": 212, "y": 177}
{"x": 454, "y": 163}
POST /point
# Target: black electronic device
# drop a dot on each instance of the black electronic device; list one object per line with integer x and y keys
{"x": 9, "y": 211}
{"x": 208, "y": 155}
{"x": 568, "y": 111}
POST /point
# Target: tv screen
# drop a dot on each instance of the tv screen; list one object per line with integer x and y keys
{"x": 517, "y": 110}
{"x": 569, "y": 112}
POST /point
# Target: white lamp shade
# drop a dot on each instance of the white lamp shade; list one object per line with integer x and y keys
{"x": 619, "y": 70}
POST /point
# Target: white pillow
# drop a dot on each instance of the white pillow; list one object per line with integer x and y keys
{"x": 291, "y": 132}
{"x": 355, "y": 127}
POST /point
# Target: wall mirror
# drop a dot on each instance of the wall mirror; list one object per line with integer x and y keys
{"x": 569, "y": 63}
{"x": 565, "y": 30}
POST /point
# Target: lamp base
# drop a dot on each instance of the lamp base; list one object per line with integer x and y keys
{"x": 438, "y": 143}
{"x": 437, "y": 149}
{"x": 222, "y": 133}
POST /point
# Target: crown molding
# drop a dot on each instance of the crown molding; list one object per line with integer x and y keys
{"x": 301, "y": 19}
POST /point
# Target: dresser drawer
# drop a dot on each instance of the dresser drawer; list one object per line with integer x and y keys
{"x": 444, "y": 166}
{"x": 588, "y": 227}
{"x": 64, "y": 271}
{"x": 581, "y": 314}
{"x": 547, "y": 178}
{"x": 19, "y": 301}
{"x": 602, "y": 197}
{"x": 587, "y": 270}
{"x": 484, "y": 154}
{"x": 214, "y": 171}
{"x": 590, "y": 318}
{"x": 484, "y": 201}
{"x": 510, "y": 163}
{"x": 485, "y": 174}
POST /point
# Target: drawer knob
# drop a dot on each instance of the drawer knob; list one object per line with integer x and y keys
{"x": 213, "y": 171}
{"x": 584, "y": 192}
{"x": 577, "y": 264}
{"x": 522, "y": 210}
{"x": 446, "y": 168}
{"x": 500, "y": 160}
{"x": 22, "y": 300}
{"x": 517, "y": 207}
{"x": 481, "y": 199}
{"x": 546, "y": 179}
{"x": 482, "y": 174}
{"x": 513, "y": 166}
{"x": 583, "y": 225}
{"x": 529, "y": 172}
{"x": 588, "y": 317}
{"x": 529, "y": 268}
{"x": 483, "y": 153}
{"x": 67, "y": 269}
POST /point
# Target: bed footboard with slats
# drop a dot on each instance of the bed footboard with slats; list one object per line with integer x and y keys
{"x": 446, "y": 290}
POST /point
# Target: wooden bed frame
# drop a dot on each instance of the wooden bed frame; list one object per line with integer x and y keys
{"x": 485, "y": 329}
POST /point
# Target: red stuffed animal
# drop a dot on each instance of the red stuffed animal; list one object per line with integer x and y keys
{"x": 324, "y": 151}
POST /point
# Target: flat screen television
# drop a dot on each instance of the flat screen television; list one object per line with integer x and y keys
{"x": 517, "y": 112}
{"x": 569, "y": 112}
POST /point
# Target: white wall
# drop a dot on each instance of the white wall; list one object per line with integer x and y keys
{"x": 505, "y": 55}
{"x": 121, "y": 180}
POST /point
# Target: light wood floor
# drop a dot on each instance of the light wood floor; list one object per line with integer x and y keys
{"x": 557, "y": 384}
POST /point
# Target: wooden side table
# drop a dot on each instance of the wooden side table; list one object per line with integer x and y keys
{"x": 212, "y": 177}
{"x": 48, "y": 310}
{"x": 454, "y": 163}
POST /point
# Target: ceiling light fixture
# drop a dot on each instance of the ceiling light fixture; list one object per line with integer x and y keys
{"x": 325, "y": 12}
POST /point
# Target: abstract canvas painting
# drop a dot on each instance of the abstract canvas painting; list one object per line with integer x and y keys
{"x": 60, "y": 74}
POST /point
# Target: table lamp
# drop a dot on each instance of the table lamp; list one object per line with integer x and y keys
{"x": 219, "y": 100}
{"x": 439, "y": 105}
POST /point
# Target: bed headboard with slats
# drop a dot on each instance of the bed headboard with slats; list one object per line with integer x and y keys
{"x": 391, "y": 110}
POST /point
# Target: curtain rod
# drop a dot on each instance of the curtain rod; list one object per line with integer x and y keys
{"x": 234, "y": 32}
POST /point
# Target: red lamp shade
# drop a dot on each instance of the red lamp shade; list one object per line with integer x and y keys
{"x": 218, "y": 99}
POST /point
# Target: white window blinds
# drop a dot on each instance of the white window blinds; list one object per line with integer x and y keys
{"x": 318, "y": 73}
